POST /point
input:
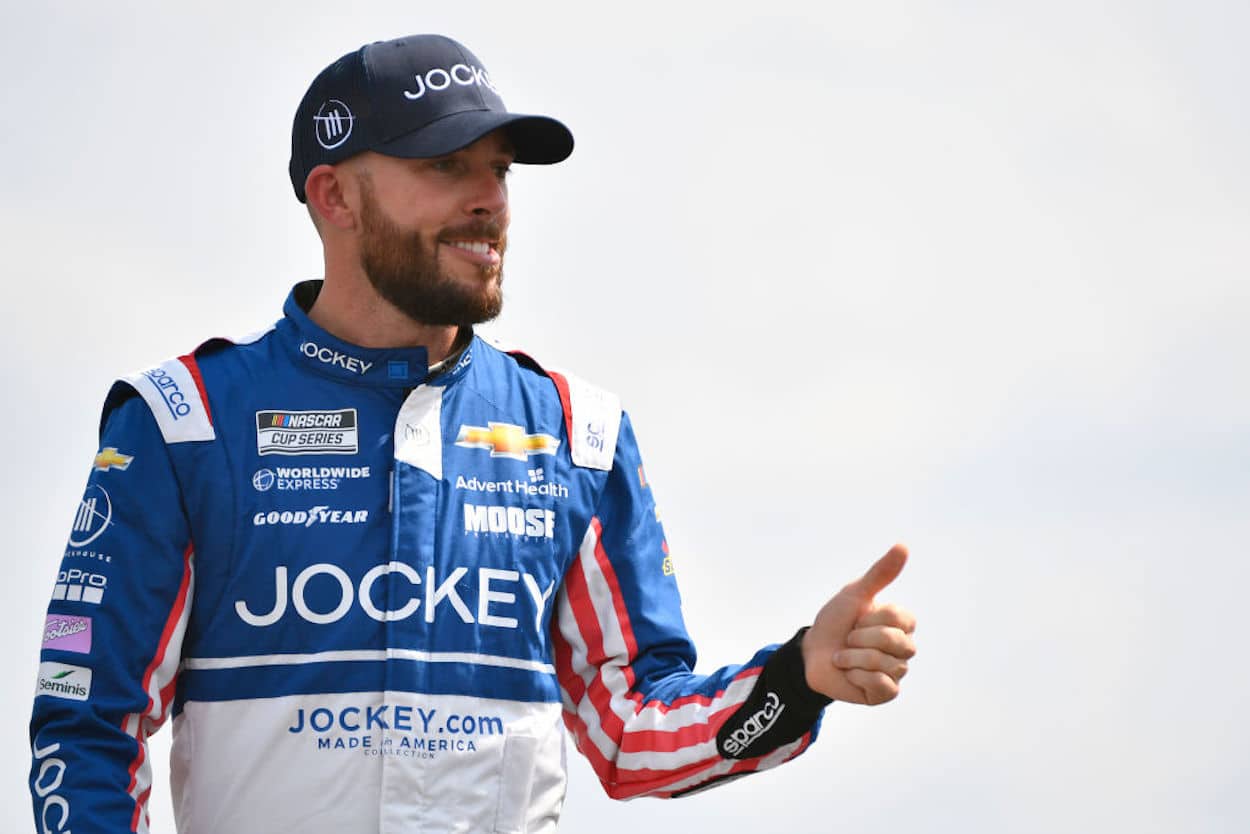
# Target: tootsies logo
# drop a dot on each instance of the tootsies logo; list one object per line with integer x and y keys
{"x": 67, "y": 634}
{"x": 756, "y": 724}
{"x": 496, "y": 596}
{"x": 326, "y": 356}
{"x": 439, "y": 79}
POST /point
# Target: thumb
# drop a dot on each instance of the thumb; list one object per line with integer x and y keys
{"x": 884, "y": 571}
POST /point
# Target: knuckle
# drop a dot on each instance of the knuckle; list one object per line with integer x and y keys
{"x": 901, "y": 646}
{"x": 883, "y": 689}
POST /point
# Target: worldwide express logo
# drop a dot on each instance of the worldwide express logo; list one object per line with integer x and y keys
{"x": 504, "y": 440}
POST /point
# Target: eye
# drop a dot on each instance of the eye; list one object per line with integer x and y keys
{"x": 502, "y": 171}
{"x": 444, "y": 165}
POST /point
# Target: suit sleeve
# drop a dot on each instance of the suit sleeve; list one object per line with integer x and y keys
{"x": 113, "y": 635}
{"x": 635, "y": 708}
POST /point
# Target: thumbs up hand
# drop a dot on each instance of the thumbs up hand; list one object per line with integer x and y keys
{"x": 857, "y": 649}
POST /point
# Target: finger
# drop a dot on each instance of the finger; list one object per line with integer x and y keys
{"x": 884, "y": 571}
{"x": 871, "y": 660}
{"x": 888, "y": 614}
{"x": 877, "y": 687}
{"x": 891, "y": 641}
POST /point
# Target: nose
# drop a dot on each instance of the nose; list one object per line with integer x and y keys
{"x": 489, "y": 196}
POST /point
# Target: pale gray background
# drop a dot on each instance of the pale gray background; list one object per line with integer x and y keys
{"x": 970, "y": 275}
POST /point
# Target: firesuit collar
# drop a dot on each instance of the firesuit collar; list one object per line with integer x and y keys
{"x": 319, "y": 351}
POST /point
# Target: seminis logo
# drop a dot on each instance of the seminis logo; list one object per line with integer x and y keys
{"x": 60, "y": 680}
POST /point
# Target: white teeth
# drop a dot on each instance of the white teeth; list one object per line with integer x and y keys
{"x": 474, "y": 246}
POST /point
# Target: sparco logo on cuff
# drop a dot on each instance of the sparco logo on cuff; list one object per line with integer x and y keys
{"x": 439, "y": 79}
{"x": 758, "y": 723}
{"x": 332, "y": 357}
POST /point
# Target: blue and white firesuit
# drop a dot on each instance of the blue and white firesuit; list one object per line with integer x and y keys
{"x": 368, "y": 595}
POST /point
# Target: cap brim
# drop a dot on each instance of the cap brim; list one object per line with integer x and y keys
{"x": 537, "y": 140}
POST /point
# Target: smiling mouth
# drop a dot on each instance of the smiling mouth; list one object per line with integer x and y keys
{"x": 486, "y": 253}
{"x": 477, "y": 247}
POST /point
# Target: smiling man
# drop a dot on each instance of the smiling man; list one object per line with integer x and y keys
{"x": 374, "y": 566}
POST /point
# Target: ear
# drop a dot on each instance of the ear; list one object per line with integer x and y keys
{"x": 326, "y": 195}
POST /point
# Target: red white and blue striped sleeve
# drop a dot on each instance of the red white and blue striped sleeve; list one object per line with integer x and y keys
{"x": 114, "y": 632}
{"x": 636, "y": 710}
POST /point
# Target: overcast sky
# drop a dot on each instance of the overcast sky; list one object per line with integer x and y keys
{"x": 968, "y": 275}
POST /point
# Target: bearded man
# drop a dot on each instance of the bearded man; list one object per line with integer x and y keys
{"x": 373, "y": 566}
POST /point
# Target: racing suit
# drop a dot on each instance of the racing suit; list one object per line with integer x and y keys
{"x": 368, "y": 594}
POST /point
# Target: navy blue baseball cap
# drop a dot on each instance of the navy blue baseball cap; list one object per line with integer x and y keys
{"x": 414, "y": 97}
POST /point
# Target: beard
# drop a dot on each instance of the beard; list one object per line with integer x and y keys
{"x": 405, "y": 271}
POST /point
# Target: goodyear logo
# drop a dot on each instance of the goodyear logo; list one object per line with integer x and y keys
{"x": 505, "y": 440}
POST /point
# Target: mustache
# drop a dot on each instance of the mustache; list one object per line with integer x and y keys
{"x": 481, "y": 229}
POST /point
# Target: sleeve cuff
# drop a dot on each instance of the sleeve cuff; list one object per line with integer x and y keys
{"x": 779, "y": 710}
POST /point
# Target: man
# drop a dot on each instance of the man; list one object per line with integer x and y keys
{"x": 369, "y": 562}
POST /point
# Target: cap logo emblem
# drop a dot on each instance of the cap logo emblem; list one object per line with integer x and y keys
{"x": 440, "y": 79}
{"x": 334, "y": 122}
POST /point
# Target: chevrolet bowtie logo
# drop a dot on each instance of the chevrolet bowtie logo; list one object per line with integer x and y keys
{"x": 505, "y": 440}
{"x": 110, "y": 458}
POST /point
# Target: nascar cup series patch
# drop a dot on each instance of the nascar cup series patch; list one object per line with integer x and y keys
{"x": 307, "y": 432}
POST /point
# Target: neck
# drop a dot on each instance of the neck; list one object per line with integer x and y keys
{"x": 349, "y": 308}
